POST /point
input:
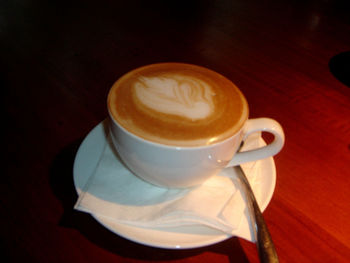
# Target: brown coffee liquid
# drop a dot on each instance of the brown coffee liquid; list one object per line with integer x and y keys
{"x": 177, "y": 104}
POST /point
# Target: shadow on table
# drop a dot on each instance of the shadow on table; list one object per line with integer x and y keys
{"x": 61, "y": 181}
{"x": 339, "y": 66}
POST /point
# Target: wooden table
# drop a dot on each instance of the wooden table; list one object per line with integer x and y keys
{"x": 58, "y": 61}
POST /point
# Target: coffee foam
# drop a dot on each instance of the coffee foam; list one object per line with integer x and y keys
{"x": 180, "y": 95}
{"x": 177, "y": 104}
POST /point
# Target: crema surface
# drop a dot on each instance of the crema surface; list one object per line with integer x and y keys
{"x": 178, "y": 104}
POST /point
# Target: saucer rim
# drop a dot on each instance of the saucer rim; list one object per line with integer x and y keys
{"x": 167, "y": 238}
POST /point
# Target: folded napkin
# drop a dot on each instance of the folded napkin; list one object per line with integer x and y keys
{"x": 113, "y": 191}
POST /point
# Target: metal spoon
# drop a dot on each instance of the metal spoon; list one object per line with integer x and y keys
{"x": 266, "y": 248}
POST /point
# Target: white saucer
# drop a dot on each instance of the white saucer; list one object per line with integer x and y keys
{"x": 176, "y": 237}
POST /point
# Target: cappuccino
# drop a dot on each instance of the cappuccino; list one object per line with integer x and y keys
{"x": 178, "y": 105}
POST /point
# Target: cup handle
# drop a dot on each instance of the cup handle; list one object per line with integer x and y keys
{"x": 260, "y": 125}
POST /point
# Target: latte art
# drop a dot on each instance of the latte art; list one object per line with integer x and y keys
{"x": 176, "y": 95}
{"x": 177, "y": 104}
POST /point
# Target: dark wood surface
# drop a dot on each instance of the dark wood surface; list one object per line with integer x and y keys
{"x": 58, "y": 60}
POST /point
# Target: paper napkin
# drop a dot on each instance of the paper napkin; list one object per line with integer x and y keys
{"x": 113, "y": 191}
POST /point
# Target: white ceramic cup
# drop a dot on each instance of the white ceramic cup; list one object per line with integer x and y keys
{"x": 180, "y": 167}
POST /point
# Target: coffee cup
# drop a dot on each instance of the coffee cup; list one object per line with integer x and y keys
{"x": 175, "y": 125}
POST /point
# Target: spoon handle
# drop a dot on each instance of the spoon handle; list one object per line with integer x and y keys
{"x": 264, "y": 243}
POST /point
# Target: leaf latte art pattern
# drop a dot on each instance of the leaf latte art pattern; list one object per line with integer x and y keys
{"x": 179, "y": 95}
{"x": 177, "y": 104}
